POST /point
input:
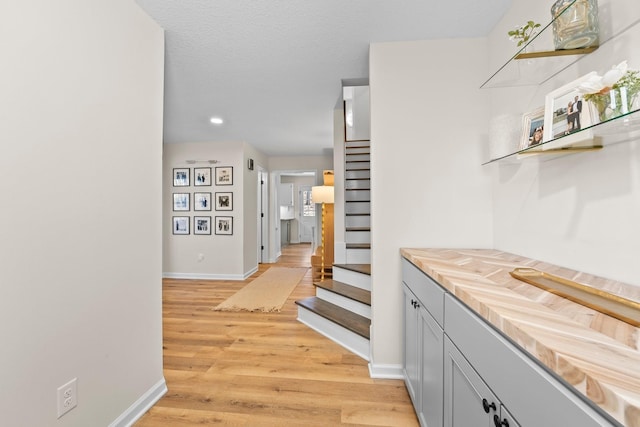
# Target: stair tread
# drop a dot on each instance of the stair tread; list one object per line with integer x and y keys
{"x": 358, "y": 268}
{"x": 358, "y": 214}
{"x": 358, "y": 245}
{"x": 345, "y": 318}
{"x": 357, "y": 294}
{"x": 357, "y": 179}
{"x": 357, "y": 229}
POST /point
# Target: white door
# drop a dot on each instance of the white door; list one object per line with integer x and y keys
{"x": 262, "y": 216}
{"x": 307, "y": 214}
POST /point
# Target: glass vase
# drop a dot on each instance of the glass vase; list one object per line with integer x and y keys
{"x": 575, "y": 25}
{"x": 610, "y": 105}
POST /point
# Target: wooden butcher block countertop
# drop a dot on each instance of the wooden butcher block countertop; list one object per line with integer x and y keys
{"x": 596, "y": 353}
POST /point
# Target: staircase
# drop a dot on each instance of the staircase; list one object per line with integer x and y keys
{"x": 357, "y": 202}
{"x": 341, "y": 309}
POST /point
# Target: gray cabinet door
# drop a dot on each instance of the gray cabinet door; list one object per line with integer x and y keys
{"x": 505, "y": 419}
{"x": 431, "y": 375}
{"x": 411, "y": 346}
{"x": 468, "y": 400}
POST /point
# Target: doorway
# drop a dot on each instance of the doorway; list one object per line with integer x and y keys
{"x": 307, "y": 215}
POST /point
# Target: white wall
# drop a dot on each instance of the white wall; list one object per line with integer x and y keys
{"x": 232, "y": 257}
{"x": 80, "y": 269}
{"x": 580, "y": 211}
{"x": 428, "y": 129}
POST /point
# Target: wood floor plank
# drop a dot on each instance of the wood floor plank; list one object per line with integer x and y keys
{"x": 263, "y": 369}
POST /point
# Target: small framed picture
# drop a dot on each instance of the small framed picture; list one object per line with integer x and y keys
{"x": 201, "y": 201}
{"x": 224, "y": 201}
{"x": 181, "y": 202}
{"x": 201, "y": 176}
{"x": 180, "y": 177}
{"x": 224, "y": 225}
{"x": 532, "y": 128}
{"x": 201, "y": 225}
{"x": 566, "y": 112}
{"x": 224, "y": 175}
{"x": 180, "y": 225}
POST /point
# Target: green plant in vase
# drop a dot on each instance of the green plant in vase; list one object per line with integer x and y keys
{"x": 523, "y": 33}
{"x": 614, "y": 93}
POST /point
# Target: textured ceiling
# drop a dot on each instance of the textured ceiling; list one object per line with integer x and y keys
{"x": 273, "y": 68}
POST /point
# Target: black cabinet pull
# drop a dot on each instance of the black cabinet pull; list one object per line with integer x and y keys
{"x": 498, "y": 423}
{"x": 487, "y": 407}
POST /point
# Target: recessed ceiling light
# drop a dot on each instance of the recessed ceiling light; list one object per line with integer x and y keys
{"x": 216, "y": 121}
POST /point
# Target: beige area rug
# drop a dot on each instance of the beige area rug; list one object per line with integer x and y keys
{"x": 267, "y": 293}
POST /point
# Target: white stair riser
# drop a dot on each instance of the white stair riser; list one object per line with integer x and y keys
{"x": 352, "y": 145}
{"x": 357, "y": 195}
{"x": 357, "y": 207}
{"x": 357, "y": 174}
{"x": 353, "y": 157}
{"x": 357, "y": 165}
{"x": 363, "y": 184}
{"x": 358, "y": 237}
{"x": 344, "y": 337}
{"x": 353, "y": 278}
{"x": 358, "y": 256}
{"x": 357, "y": 221}
{"x": 346, "y": 303}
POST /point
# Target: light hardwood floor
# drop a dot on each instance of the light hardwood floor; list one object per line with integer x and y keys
{"x": 263, "y": 369}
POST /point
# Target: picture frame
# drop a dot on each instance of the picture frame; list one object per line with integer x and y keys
{"x": 532, "y": 128}
{"x": 202, "y": 225}
{"x": 201, "y": 201}
{"x": 224, "y": 225}
{"x": 180, "y": 225}
{"x": 181, "y": 177}
{"x": 224, "y": 175}
{"x": 201, "y": 177}
{"x": 181, "y": 202}
{"x": 224, "y": 201}
{"x": 566, "y": 112}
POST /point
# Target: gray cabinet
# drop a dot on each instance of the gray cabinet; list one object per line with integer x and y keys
{"x": 423, "y": 345}
{"x": 461, "y": 372}
{"x": 468, "y": 400}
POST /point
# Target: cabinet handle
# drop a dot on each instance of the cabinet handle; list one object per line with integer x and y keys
{"x": 498, "y": 423}
{"x": 487, "y": 407}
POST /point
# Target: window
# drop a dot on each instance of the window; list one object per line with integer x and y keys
{"x": 308, "y": 207}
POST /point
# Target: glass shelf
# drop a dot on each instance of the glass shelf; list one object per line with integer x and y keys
{"x": 623, "y": 128}
{"x": 531, "y": 68}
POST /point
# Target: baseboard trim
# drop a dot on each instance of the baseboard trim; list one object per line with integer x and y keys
{"x": 382, "y": 371}
{"x": 200, "y": 276}
{"x": 141, "y": 406}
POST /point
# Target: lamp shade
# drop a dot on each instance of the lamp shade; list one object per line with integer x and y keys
{"x": 322, "y": 194}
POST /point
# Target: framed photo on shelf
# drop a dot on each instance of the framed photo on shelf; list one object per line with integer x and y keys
{"x": 180, "y": 225}
{"x": 532, "y": 128}
{"x": 181, "y": 202}
{"x": 201, "y": 201}
{"x": 224, "y": 175}
{"x": 181, "y": 177}
{"x": 224, "y": 225}
{"x": 202, "y": 225}
{"x": 566, "y": 112}
{"x": 201, "y": 176}
{"x": 224, "y": 201}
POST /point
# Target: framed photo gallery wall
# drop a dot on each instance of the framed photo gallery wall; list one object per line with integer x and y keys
{"x": 185, "y": 201}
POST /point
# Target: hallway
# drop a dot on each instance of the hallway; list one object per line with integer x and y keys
{"x": 263, "y": 369}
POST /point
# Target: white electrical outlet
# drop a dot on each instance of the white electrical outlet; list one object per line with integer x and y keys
{"x": 67, "y": 397}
